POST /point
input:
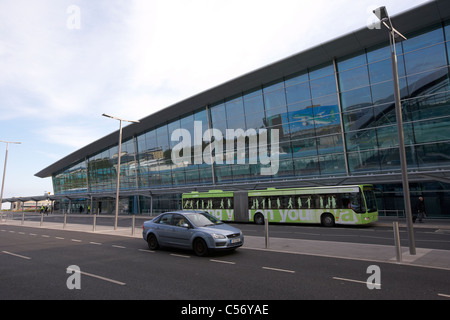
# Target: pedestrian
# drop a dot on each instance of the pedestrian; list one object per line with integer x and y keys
{"x": 420, "y": 209}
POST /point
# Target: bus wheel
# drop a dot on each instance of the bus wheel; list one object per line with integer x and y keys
{"x": 259, "y": 219}
{"x": 327, "y": 220}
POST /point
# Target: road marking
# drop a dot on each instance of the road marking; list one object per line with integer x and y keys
{"x": 120, "y": 247}
{"x": 21, "y": 232}
{"x": 75, "y": 240}
{"x": 179, "y": 255}
{"x": 16, "y": 255}
{"x": 96, "y": 243}
{"x": 222, "y": 261}
{"x": 444, "y": 295}
{"x": 45, "y": 236}
{"x": 59, "y": 238}
{"x": 32, "y": 234}
{"x": 146, "y": 250}
{"x": 98, "y": 277}
{"x": 376, "y": 285}
{"x": 280, "y": 270}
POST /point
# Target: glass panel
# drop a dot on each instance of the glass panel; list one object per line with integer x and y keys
{"x": 297, "y": 78}
{"x": 323, "y": 86}
{"x": 330, "y": 144}
{"x": 361, "y": 140}
{"x": 332, "y": 164}
{"x": 425, "y": 59}
{"x": 274, "y": 99}
{"x": 321, "y": 71}
{"x": 434, "y": 155}
{"x": 253, "y": 103}
{"x": 255, "y": 120}
{"x": 358, "y": 119}
{"x": 351, "y": 63}
{"x": 235, "y": 108}
{"x": 354, "y": 99}
{"x": 306, "y": 166}
{"x": 432, "y": 130}
{"x": 364, "y": 161}
{"x": 299, "y": 92}
{"x": 428, "y": 82}
{"x": 354, "y": 78}
{"x": 304, "y": 148}
{"x": 423, "y": 40}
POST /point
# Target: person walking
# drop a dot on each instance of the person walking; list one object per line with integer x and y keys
{"x": 421, "y": 209}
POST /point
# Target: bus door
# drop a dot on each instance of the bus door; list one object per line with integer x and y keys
{"x": 240, "y": 206}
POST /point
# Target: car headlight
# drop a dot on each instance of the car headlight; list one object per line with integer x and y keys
{"x": 218, "y": 236}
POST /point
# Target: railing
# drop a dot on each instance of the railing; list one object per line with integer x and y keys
{"x": 392, "y": 213}
{"x": 75, "y": 221}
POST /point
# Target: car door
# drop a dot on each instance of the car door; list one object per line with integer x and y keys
{"x": 164, "y": 229}
{"x": 182, "y": 231}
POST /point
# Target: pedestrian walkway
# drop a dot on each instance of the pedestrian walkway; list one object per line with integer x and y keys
{"x": 430, "y": 258}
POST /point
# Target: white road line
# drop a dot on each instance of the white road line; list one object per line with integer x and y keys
{"x": 120, "y": 247}
{"x": 75, "y": 240}
{"x": 222, "y": 261}
{"x": 96, "y": 243}
{"x": 280, "y": 270}
{"x": 98, "y": 277}
{"x": 146, "y": 250}
{"x": 179, "y": 255}
{"x": 444, "y": 295}
{"x": 16, "y": 255}
{"x": 59, "y": 238}
{"x": 45, "y": 236}
{"x": 357, "y": 281}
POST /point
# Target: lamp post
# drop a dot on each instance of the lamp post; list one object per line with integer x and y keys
{"x": 382, "y": 14}
{"x": 118, "y": 163}
{"x": 4, "y": 169}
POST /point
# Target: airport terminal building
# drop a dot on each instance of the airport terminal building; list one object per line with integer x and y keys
{"x": 332, "y": 107}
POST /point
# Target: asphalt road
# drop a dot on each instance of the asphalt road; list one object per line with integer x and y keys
{"x": 433, "y": 238}
{"x": 34, "y": 264}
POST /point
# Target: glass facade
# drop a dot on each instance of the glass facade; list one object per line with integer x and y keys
{"x": 336, "y": 119}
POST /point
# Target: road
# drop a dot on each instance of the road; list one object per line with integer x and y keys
{"x": 34, "y": 264}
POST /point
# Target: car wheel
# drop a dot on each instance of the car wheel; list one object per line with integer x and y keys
{"x": 200, "y": 247}
{"x": 152, "y": 242}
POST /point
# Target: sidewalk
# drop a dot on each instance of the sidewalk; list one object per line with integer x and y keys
{"x": 430, "y": 258}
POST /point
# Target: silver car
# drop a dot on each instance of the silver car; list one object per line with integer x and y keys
{"x": 194, "y": 230}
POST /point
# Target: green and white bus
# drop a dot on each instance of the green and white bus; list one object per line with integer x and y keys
{"x": 351, "y": 205}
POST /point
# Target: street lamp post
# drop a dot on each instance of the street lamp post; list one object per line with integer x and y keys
{"x": 4, "y": 169}
{"x": 119, "y": 156}
{"x": 382, "y": 14}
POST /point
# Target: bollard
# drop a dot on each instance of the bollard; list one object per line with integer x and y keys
{"x": 65, "y": 220}
{"x": 266, "y": 223}
{"x": 42, "y": 219}
{"x": 23, "y": 217}
{"x": 398, "y": 248}
{"x": 95, "y": 223}
{"x": 133, "y": 226}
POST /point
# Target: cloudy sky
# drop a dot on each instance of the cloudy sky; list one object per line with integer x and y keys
{"x": 65, "y": 62}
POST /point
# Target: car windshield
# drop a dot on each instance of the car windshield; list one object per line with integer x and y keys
{"x": 203, "y": 219}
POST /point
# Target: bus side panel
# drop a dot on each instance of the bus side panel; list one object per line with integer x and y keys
{"x": 241, "y": 206}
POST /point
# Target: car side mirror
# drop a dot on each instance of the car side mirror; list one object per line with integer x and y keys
{"x": 185, "y": 225}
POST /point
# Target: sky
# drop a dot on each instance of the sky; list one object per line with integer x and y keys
{"x": 63, "y": 63}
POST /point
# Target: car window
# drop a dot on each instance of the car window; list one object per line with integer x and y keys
{"x": 166, "y": 219}
{"x": 178, "y": 220}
